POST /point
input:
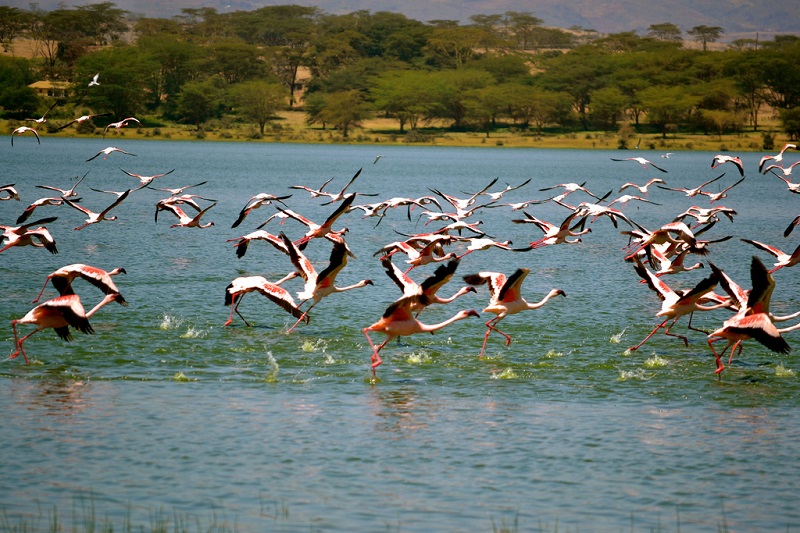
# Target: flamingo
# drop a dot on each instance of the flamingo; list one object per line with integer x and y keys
{"x": 107, "y": 151}
{"x": 38, "y": 203}
{"x": 178, "y": 191}
{"x": 319, "y": 230}
{"x": 63, "y": 277}
{"x": 334, "y": 197}
{"x": 672, "y": 266}
{"x": 184, "y": 220}
{"x": 94, "y": 81}
{"x": 322, "y": 284}
{"x": 121, "y": 124}
{"x": 235, "y": 291}
{"x": 82, "y": 119}
{"x": 24, "y": 236}
{"x": 65, "y": 193}
{"x": 241, "y": 243}
{"x": 642, "y": 161}
{"x": 706, "y": 216}
{"x": 259, "y": 200}
{"x": 9, "y": 192}
{"x": 506, "y": 298}
{"x": 425, "y": 291}
{"x": 398, "y": 321}
{"x": 569, "y": 188}
{"x": 693, "y": 191}
{"x": 625, "y": 198}
{"x": 722, "y": 159}
{"x": 94, "y": 218}
{"x": 43, "y": 118}
{"x": 23, "y": 129}
{"x": 717, "y": 196}
{"x": 792, "y": 187}
{"x": 553, "y": 234}
{"x": 783, "y": 259}
{"x": 476, "y": 244}
{"x": 642, "y": 188}
{"x": 144, "y": 181}
{"x": 461, "y": 204}
{"x": 776, "y": 158}
{"x": 675, "y": 304}
{"x": 752, "y": 320}
{"x": 430, "y": 252}
{"x": 58, "y": 313}
{"x": 495, "y": 196}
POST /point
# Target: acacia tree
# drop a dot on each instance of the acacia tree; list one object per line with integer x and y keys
{"x": 343, "y": 110}
{"x": 259, "y": 100}
{"x": 405, "y": 95}
{"x": 12, "y": 23}
{"x": 667, "y": 105}
{"x": 666, "y": 31}
{"x": 706, "y": 34}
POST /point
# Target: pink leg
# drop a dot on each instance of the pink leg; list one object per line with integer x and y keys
{"x": 302, "y": 317}
{"x": 41, "y": 291}
{"x": 737, "y": 344}
{"x": 666, "y": 332}
{"x": 18, "y": 343}
{"x": 718, "y": 356}
{"x": 376, "y": 358}
{"x": 634, "y": 348}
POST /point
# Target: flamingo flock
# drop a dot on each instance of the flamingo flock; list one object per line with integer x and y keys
{"x": 653, "y": 254}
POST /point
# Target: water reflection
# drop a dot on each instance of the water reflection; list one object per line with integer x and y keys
{"x": 398, "y": 412}
{"x": 55, "y": 397}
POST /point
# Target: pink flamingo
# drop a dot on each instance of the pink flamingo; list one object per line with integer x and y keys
{"x": 506, "y": 298}
{"x": 235, "y": 291}
{"x": 63, "y": 277}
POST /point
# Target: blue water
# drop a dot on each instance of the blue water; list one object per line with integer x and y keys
{"x": 165, "y": 412}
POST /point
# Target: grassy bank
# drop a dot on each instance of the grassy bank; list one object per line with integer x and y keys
{"x": 291, "y": 127}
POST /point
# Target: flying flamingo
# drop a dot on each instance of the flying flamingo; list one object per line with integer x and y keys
{"x": 23, "y": 129}
{"x": 334, "y": 196}
{"x": 94, "y": 218}
{"x": 144, "y": 181}
{"x": 178, "y": 191}
{"x": 625, "y": 198}
{"x": 43, "y": 118}
{"x": 82, "y": 119}
{"x": 717, "y": 196}
{"x": 184, "y": 220}
{"x": 642, "y": 188}
{"x": 425, "y": 291}
{"x": 121, "y": 124}
{"x": 553, "y": 234}
{"x": 241, "y": 243}
{"x": 793, "y": 187}
{"x": 693, "y": 191}
{"x": 22, "y": 235}
{"x": 783, "y": 259}
{"x": 319, "y": 230}
{"x": 753, "y": 320}
{"x": 431, "y": 251}
{"x": 506, "y": 298}
{"x": 776, "y": 158}
{"x": 65, "y": 193}
{"x": 495, "y": 196}
{"x": 722, "y": 159}
{"x": 9, "y": 192}
{"x": 398, "y": 321}
{"x": 63, "y": 277}
{"x": 108, "y": 151}
{"x": 58, "y": 313}
{"x": 322, "y": 284}
{"x": 569, "y": 188}
{"x": 235, "y": 291}
{"x": 642, "y": 161}
{"x": 94, "y": 81}
{"x": 675, "y": 304}
{"x": 259, "y": 200}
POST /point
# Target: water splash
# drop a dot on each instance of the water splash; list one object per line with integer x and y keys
{"x": 783, "y": 372}
{"x": 272, "y": 375}
{"x": 418, "y": 358}
{"x": 321, "y": 345}
{"x": 180, "y": 376}
{"x": 170, "y": 322}
{"x": 638, "y": 374}
{"x": 655, "y": 362}
{"x": 617, "y": 338}
{"x": 508, "y": 373}
{"x": 193, "y": 333}
{"x": 552, "y": 354}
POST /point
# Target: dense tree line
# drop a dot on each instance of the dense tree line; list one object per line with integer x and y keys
{"x": 504, "y": 69}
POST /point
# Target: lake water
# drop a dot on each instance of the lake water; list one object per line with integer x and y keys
{"x": 164, "y": 415}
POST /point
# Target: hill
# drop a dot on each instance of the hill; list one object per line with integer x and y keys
{"x": 739, "y": 18}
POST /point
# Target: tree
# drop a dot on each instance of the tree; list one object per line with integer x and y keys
{"x": 485, "y": 104}
{"x": 521, "y": 25}
{"x": 449, "y": 89}
{"x": 538, "y": 107}
{"x": 259, "y": 100}
{"x": 706, "y": 34}
{"x": 666, "y": 31}
{"x": 235, "y": 61}
{"x": 344, "y": 110}
{"x": 12, "y": 23}
{"x": 405, "y": 95}
{"x": 199, "y": 101}
{"x": 123, "y": 88}
{"x": 790, "y": 118}
{"x": 451, "y": 47}
{"x": 608, "y": 104}
{"x": 667, "y": 105}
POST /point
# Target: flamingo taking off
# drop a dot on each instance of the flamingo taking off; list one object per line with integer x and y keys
{"x": 259, "y": 200}
{"x": 43, "y": 118}
{"x": 322, "y": 284}
{"x": 22, "y": 235}
{"x": 720, "y": 159}
{"x": 65, "y": 193}
{"x": 23, "y": 129}
{"x": 82, "y": 119}
{"x": 59, "y": 313}
{"x": 398, "y": 321}
{"x": 107, "y": 151}
{"x": 506, "y": 298}
{"x": 144, "y": 181}
{"x": 63, "y": 277}
{"x": 776, "y": 158}
{"x": 8, "y": 192}
{"x": 641, "y": 188}
{"x": 235, "y": 291}
{"x": 95, "y": 218}
{"x": 642, "y": 161}
{"x": 783, "y": 259}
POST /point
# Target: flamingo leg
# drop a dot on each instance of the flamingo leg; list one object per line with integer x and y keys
{"x": 376, "y": 358}
{"x": 666, "y": 332}
{"x": 18, "y": 343}
{"x": 718, "y": 356}
{"x": 737, "y": 344}
{"x": 690, "y": 324}
{"x": 302, "y": 317}
{"x": 634, "y": 348}
{"x": 237, "y": 310}
{"x": 491, "y": 325}
{"x": 41, "y": 291}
